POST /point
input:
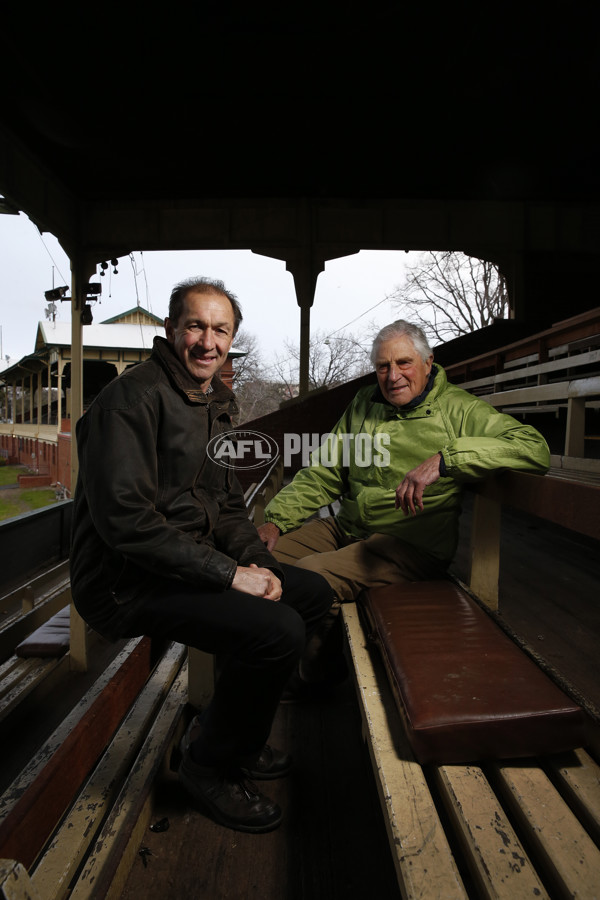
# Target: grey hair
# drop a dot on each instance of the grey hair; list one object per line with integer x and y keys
{"x": 399, "y": 328}
{"x": 202, "y": 285}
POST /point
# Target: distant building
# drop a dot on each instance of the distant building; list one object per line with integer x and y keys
{"x": 35, "y": 393}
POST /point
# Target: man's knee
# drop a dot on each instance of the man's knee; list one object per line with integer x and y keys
{"x": 314, "y": 537}
{"x": 341, "y": 588}
{"x": 307, "y": 591}
{"x": 281, "y": 636}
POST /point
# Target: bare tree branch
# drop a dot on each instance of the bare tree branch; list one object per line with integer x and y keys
{"x": 247, "y": 367}
{"x": 449, "y": 294}
{"x": 332, "y": 360}
{"x": 255, "y": 395}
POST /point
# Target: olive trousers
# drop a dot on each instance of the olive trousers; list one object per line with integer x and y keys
{"x": 349, "y": 565}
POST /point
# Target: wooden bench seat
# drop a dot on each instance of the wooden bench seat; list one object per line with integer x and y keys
{"x": 465, "y": 818}
{"x": 40, "y": 661}
{"x": 20, "y": 679}
{"x": 495, "y": 829}
{"x": 466, "y": 691}
{"x": 71, "y": 823}
{"x": 33, "y": 603}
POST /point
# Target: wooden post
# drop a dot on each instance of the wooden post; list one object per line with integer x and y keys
{"x": 259, "y": 509}
{"x": 78, "y": 641}
{"x": 78, "y": 630}
{"x": 485, "y": 550}
{"x": 77, "y": 300}
{"x": 575, "y": 436}
{"x": 27, "y": 599}
{"x": 49, "y": 395}
{"x": 15, "y": 883}
{"x": 38, "y": 405}
{"x": 304, "y": 349}
{"x": 59, "y": 405}
{"x": 201, "y": 677}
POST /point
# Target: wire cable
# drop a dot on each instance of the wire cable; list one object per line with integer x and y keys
{"x": 51, "y": 257}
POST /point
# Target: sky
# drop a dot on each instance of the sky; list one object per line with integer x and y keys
{"x": 350, "y": 297}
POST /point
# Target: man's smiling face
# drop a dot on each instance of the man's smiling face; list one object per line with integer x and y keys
{"x": 203, "y": 334}
{"x": 401, "y": 372}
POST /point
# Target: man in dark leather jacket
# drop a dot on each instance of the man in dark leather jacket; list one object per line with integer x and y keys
{"x": 162, "y": 546}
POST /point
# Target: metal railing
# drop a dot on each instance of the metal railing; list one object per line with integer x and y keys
{"x": 259, "y": 493}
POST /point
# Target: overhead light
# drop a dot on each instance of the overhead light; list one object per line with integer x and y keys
{"x": 92, "y": 289}
{"x": 86, "y": 315}
{"x": 56, "y": 293}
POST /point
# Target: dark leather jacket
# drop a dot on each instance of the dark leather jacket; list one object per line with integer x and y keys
{"x": 149, "y": 501}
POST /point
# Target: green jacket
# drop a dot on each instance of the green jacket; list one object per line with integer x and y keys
{"x": 473, "y": 437}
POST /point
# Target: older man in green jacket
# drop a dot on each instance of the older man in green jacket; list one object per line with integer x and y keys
{"x": 397, "y": 459}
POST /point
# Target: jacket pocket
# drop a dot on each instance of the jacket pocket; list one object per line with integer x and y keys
{"x": 130, "y": 582}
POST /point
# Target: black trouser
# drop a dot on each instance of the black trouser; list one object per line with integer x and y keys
{"x": 258, "y": 643}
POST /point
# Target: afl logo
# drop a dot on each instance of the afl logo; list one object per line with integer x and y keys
{"x": 242, "y": 450}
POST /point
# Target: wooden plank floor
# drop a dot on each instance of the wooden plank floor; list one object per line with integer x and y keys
{"x": 331, "y": 844}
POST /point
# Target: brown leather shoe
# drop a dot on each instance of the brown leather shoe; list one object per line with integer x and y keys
{"x": 230, "y": 798}
{"x": 270, "y": 764}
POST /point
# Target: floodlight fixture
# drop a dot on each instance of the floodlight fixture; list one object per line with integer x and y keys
{"x": 57, "y": 293}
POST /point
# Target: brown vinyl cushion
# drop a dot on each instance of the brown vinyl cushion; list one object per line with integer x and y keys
{"x": 466, "y": 691}
{"x": 50, "y": 639}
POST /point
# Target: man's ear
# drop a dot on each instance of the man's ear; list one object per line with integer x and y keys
{"x": 169, "y": 330}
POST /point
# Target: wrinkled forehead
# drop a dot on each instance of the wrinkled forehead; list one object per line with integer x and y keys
{"x": 207, "y": 307}
{"x": 399, "y": 347}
